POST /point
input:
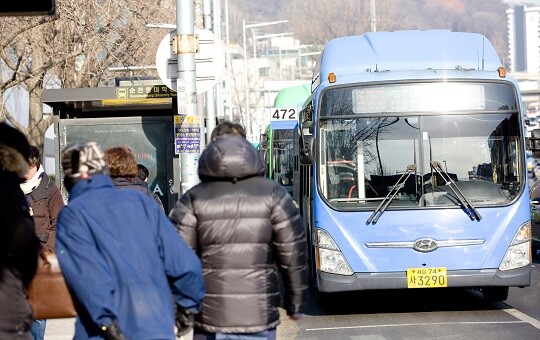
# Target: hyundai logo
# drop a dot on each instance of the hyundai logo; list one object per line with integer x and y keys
{"x": 425, "y": 245}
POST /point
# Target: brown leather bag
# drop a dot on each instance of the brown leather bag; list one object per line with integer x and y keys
{"x": 48, "y": 291}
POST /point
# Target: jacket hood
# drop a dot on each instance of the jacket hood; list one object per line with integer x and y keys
{"x": 90, "y": 183}
{"x": 12, "y": 161}
{"x": 230, "y": 158}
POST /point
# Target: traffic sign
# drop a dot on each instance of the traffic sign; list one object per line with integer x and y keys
{"x": 209, "y": 61}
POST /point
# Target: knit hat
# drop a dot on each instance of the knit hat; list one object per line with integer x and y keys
{"x": 81, "y": 160}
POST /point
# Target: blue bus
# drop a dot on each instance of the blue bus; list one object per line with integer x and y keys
{"x": 411, "y": 166}
{"x": 277, "y": 140}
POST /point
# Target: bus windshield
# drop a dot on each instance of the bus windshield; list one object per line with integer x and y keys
{"x": 363, "y": 157}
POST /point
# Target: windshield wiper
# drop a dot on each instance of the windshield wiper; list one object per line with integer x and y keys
{"x": 469, "y": 209}
{"x": 391, "y": 194}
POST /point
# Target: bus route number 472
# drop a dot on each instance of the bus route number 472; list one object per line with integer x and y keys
{"x": 283, "y": 113}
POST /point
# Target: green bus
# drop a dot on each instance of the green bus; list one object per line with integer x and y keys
{"x": 276, "y": 143}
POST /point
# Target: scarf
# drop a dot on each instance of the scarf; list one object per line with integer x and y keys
{"x": 30, "y": 185}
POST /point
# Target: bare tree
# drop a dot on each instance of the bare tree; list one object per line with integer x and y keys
{"x": 75, "y": 48}
{"x": 316, "y": 22}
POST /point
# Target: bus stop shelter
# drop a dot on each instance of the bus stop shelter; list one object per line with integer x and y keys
{"x": 139, "y": 117}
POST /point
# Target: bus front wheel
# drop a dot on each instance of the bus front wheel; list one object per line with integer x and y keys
{"x": 495, "y": 293}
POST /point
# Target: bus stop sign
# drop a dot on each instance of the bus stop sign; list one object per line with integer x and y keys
{"x": 209, "y": 61}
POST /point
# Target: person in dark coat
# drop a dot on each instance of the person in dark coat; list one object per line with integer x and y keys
{"x": 45, "y": 202}
{"x": 122, "y": 258}
{"x": 45, "y": 199}
{"x": 245, "y": 228}
{"x": 124, "y": 172}
{"x": 19, "y": 245}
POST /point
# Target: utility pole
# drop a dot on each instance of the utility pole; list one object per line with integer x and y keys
{"x": 246, "y": 114}
{"x": 373, "y": 17}
{"x": 228, "y": 60}
{"x": 210, "y": 98}
{"x": 185, "y": 45}
{"x": 216, "y": 10}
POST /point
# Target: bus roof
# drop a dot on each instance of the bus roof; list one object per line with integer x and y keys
{"x": 406, "y": 51}
{"x": 292, "y": 96}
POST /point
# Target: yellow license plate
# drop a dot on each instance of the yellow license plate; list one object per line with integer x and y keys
{"x": 426, "y": 277}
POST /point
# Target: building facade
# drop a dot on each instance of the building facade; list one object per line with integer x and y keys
{"x": 524, "y": 38}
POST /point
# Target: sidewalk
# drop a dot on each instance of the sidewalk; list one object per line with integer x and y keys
{"x": 64, "y": 329}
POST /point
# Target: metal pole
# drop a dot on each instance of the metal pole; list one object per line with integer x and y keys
{"x": 217, "y": 32}
{"x": 210, "y": 98}
{"x": 280, "y": 72}
{"x": 299, "y": 63}
{"x": 246, "y": 81}
{"x": 373, "y": 17}
{"x": 254, "y": 44}
{"x": 185, "y": 13}
{"x": 207, "y": 14}
{"x": 228, "y": 58}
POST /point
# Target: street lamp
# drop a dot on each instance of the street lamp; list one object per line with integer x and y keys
{"x": 246, "y": 85}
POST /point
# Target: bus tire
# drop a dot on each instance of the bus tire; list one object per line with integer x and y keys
{"x": 495, "y": 293}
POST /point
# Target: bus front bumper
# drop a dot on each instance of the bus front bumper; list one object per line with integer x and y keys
{"x": 329, "y": 283}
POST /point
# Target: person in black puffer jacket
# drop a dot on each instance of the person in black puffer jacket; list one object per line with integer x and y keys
{"x": 245, "y": 228}
{"x": 19, "y": 245}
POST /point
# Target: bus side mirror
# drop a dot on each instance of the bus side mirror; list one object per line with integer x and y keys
{"x": 307, "y": 143}
{"x": 534, "y": 142}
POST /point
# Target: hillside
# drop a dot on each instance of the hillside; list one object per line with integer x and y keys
{"x": 316, "y": 22}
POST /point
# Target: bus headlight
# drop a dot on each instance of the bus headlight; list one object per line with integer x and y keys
{"x": 329, "y": 257}
{"x": 519, "y": 253}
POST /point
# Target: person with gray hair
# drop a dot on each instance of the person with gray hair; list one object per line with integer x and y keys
{"x": 121, "y": 257}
